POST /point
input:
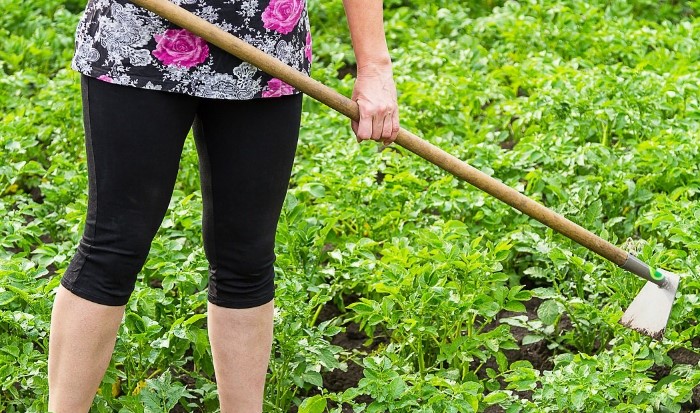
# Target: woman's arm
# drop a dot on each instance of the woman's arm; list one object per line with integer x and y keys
{"x": 374, "y": 91}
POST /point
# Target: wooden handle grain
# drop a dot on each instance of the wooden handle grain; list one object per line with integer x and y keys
{"x": 406, "y": 139}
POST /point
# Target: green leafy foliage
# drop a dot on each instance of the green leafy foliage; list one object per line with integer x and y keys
{"x": 462, "y": 304}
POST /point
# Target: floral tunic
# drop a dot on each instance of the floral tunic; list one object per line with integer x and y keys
{"x": 119, "y": 42}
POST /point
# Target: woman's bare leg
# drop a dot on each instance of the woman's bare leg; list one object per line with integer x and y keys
{"x": 241, "y": 341}
{"x": 81, "y": 343}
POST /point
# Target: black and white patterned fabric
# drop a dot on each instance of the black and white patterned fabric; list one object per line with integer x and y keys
{"x": 119, "y": 42}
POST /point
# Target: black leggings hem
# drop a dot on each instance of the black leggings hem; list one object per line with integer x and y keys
{"x": 110, "y": 301}
{"x": 241, "y": 304}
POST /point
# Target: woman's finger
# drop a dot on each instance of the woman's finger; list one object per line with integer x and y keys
{"x": 365, "y": 125}
{"x": 364, "y": 129}
{"x": 395, "y": 126}
{"x": 355, "y": 126}
{"x": 377, "y": 125}
{"x": 392, "y": 124}
{"x": 387, "y": 127}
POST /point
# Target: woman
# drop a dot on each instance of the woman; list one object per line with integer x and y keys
{"x": 145, "y": 82}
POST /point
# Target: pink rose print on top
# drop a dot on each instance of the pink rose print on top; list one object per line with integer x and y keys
{"x": 180, "y": 47}
{"x": 307, "y": 48}
{"x": 276, "y": 88}
{"x": 105, "y": 78}
{"x": 282, "y": 15}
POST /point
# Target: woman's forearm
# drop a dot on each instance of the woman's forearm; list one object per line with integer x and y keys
{"x": 374, "y": 91}
{"x": 366, "y": 22}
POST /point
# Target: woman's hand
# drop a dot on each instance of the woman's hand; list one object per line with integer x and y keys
{"x": 375, "y": 94}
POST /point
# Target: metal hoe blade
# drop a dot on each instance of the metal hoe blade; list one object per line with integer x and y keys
{"x": 651, "y": 308}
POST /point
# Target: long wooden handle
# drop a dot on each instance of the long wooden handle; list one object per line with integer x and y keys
{"x": 406, "y": 139}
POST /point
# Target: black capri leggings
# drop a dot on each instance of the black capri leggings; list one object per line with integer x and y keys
{"x": 134, "y": 139}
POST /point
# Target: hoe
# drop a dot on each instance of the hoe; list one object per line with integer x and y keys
{"x": 649, "y": 311}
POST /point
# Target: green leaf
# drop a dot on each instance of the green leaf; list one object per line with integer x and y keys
{"x": 327, "y": 358}
{"x": 313, "y": 377}
{"x": 642, "y": 365}
{"x": 515, "y": 306}
{"x": 502, "y": 361}
{"x": 495, "y": 397}
{"x": 397, "y": 387}
{"x": 33, "y": 167}
{"x": 19, "y": 292}
{"x": 521, "y": 364}
{"x": 135, "y": 323}
{"x": 531, "y": 338}
{"x": 545, "y": 293}
{"x": 194, "y": 319}
{"x": 6, "y": 297}
{"x": 578, "y": 397}
{"x": 151, "y": 401}
{"x": 161, "y": 394}
{"x": 316, "y": 190}
{"x": 549, "y": 311}
{"x": 315, "y": 404}
{"x": 11, "y": 350}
